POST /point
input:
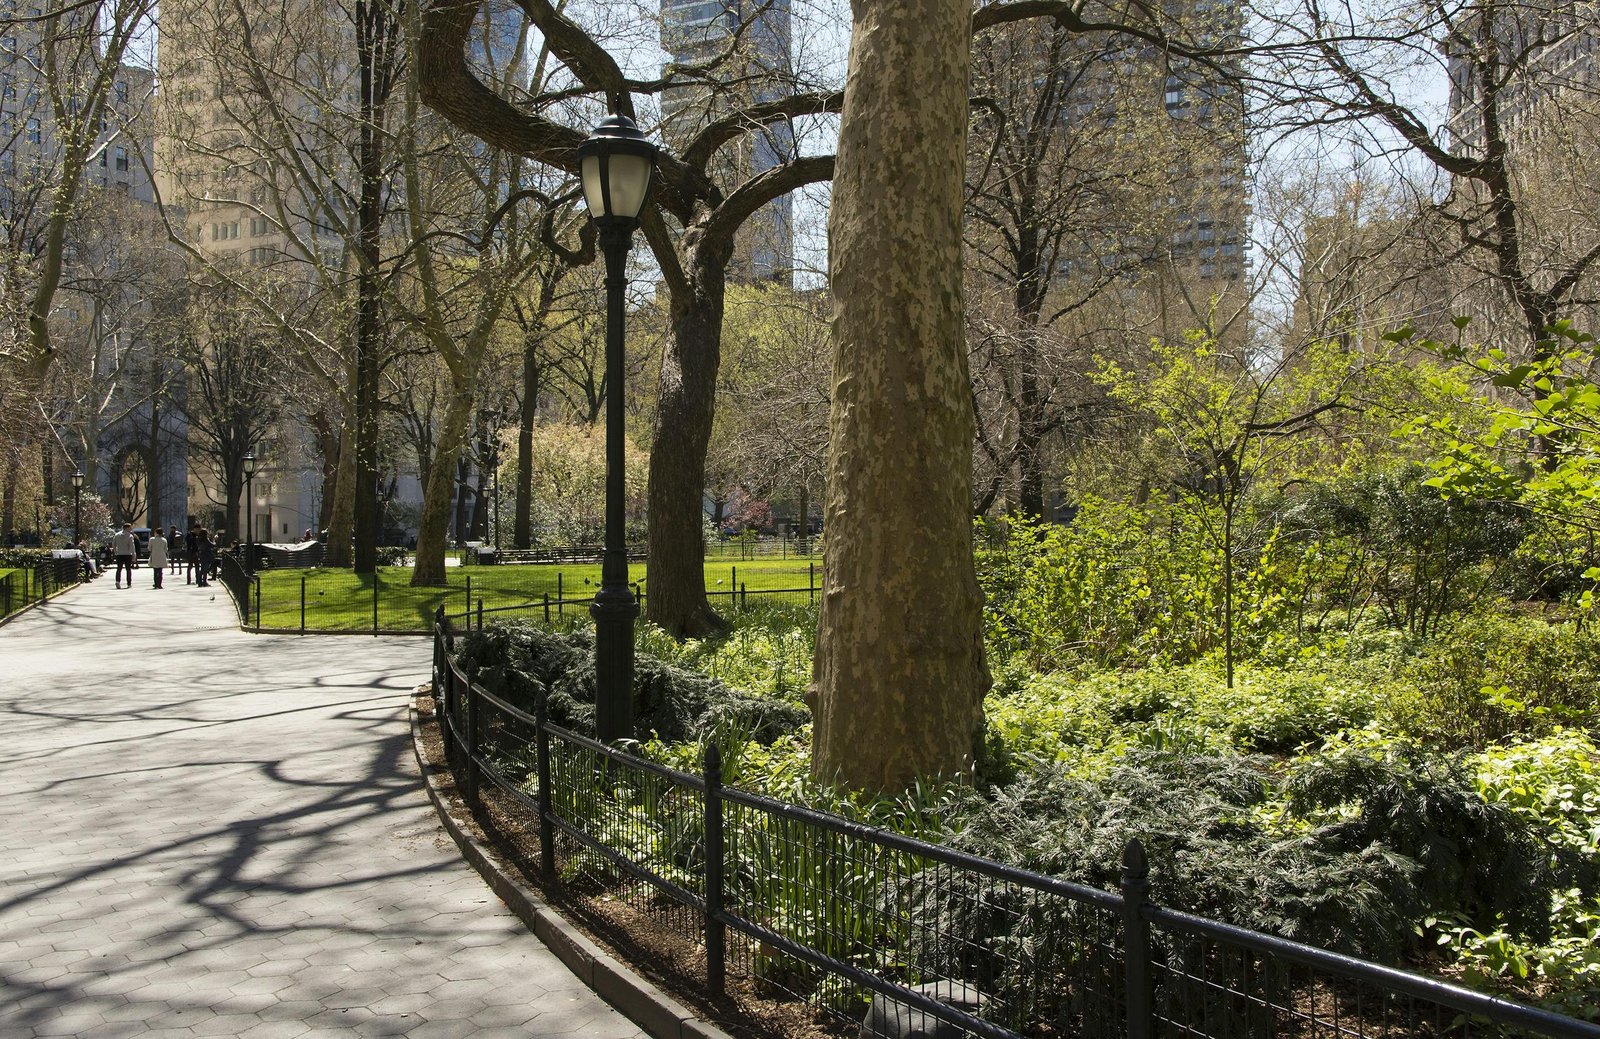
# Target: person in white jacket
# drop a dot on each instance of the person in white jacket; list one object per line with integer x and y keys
{"x": 158, "y": 554}
{"x": 125, "y": 550}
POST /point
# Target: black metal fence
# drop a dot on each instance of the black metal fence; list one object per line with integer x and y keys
{"x": 325, "y": 601}
{"x": 836, "y": 914}
{"x": 548, "y": 609}
{"x": 35, "y": 580}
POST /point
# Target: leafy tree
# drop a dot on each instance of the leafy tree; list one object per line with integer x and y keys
{"x": 1529, "y": 434}
{"x": 1216, "y": 421}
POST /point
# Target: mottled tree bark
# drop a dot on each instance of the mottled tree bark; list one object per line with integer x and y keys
{"x": 434, "y": 529}
{"x": 336, "y": 553}
{"x": 900, "y": 673}
{"x": 676, "y": 598}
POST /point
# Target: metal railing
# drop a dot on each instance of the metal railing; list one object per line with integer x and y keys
{"x": 324, "y": 601}
{"x": 34, "y": 581}
{"x": 834, "y": 913}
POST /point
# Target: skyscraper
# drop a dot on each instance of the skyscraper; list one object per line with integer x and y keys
{"x": 750, "y": 42}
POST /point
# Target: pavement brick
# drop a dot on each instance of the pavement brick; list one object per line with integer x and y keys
{"x": 208, "y": 833}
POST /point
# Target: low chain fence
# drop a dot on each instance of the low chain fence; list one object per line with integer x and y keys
{"x": 880, "y": 932}
{"x": 385, "y": 603}
{"x": 33, "y": 580}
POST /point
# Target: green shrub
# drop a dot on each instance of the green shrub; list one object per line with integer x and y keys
{"x": 1476, "y": 860}
{"x": 1198, "y": 817}
{"x": 517, "y": 661}
{"x": 1491, "y": 676}
{"x": 1057, "y": 718}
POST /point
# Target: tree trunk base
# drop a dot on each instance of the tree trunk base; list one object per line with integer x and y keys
{"x": 700, "y": 623}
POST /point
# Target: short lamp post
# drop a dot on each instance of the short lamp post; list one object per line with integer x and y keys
{"x": 249, "y": 503}
{"x": 617, "y": 161}
{"x": 77, "y": 506}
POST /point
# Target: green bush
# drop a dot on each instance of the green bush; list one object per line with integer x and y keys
{"x": 1058, "y": 718}
{"x": 1476, "y": 859}
{"x": 1491, "y": 676}
{"x": 517, "y": 661}
{"x": 1199, "y": 817}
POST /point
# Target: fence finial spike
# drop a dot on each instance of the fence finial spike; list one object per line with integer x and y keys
{"x": 713, "y": 759}
{"x": 1135, "y": 864}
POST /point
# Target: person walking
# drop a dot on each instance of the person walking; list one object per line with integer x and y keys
{"x": 124, "y": 549}
{"x": 175, "y": 548}
{"x": 158, "y": 554}
{"x": 205, "y": 556}
{"x": 191, "y": 542}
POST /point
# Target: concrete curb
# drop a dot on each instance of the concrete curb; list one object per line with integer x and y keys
{"x": 640, "y": 1001}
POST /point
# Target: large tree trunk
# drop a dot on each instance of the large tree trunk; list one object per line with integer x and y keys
{"x": 8, "y": 498}
{"x": 676, "y": 595}
{"x": 522, "y": 534}
{"x": 433, "y": 534}
{"x": 328, "y": 451}
{"x": 900, "y": 672}
{"x": 341, "y": 520}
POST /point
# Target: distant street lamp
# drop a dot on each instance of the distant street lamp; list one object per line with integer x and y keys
{"x": 77, "y": 506}
{"x": 249, "y": 501}
{"x": 617, "y": 161}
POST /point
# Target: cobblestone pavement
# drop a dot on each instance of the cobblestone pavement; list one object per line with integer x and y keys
{"x": 204, "y": 832}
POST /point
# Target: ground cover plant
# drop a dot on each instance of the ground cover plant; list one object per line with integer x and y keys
{"x": 1364, "y": 784}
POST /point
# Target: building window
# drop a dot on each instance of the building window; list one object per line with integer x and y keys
{"x": 122, "y": 91}
{"x": 122, "y": 160}
{"x": 33, "y": 131}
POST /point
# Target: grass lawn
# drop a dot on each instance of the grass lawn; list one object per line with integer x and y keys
{"x": 338, "y": 600}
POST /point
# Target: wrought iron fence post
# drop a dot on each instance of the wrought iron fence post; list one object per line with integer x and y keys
{"x": 480, "y": 614}
{"x": 469, "y": 601}
{"x": 257, "y": 580}
{"x": 716, "y": 866}
{"x": 541, "y": 737}
{"x": 1136, "y": 942}
{"x": 438, "y": 646}
{"x": 811, "y": 580}
{"x": 374, "y": 600}
{"x": 302, "y": 604}
{"x": 471, "y": 770}
{"x": 547, "y": 607}
{"x": 561, "y": 597}
{"x": 447, "y": 719}
{"x": 744, "y": 597}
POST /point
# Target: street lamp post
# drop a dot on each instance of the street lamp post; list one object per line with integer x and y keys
{"x": 77, "y": 506}
{"x": 494, "y": 475}
{"x": 249, "y": 502}
{"x": 617, "y": 161}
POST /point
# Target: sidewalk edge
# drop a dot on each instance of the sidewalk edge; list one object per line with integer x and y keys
{"x": 639, "y": 1000}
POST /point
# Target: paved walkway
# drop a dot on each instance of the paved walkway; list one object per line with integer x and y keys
{"x": 204, "y": 832}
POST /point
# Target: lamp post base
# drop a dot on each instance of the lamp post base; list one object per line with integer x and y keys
{"x": 614, "y": 610}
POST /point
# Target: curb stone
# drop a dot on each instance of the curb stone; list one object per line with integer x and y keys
{"x": 642, "y": 1002}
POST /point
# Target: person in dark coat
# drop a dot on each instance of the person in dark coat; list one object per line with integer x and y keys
{"x": 205, "y": 557}
{"x": 191, "y": 542}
